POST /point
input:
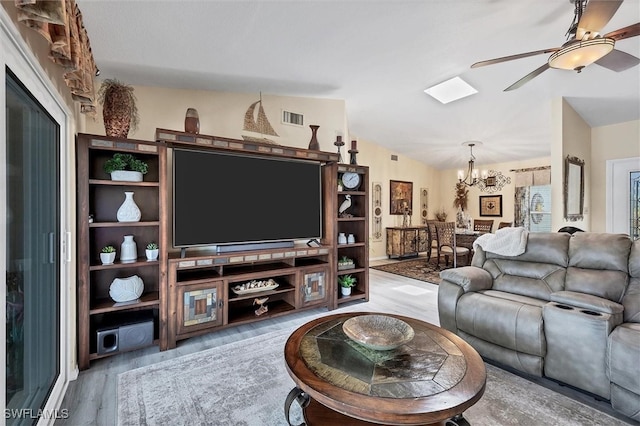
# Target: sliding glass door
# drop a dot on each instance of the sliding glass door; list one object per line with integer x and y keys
{"x": 32, "y": 253}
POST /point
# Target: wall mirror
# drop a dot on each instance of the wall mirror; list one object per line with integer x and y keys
{"x": 573, "y": 188}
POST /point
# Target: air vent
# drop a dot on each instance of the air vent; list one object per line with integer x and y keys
{"x": 394, "y": 158}
{"x": 292, "y": 118}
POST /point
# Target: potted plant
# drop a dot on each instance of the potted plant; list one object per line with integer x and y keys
{"x": 346, "y": 282}
{"x": 119, "y": 110}
{"x": 108, "y": 255}
{"x": 340, "y": 187}
{"x": 125, "y": 167}
{"x": 152, "y": 251}
{"x": 345, "y": 263}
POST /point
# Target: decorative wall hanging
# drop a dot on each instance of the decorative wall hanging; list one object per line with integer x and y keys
{"x": 494, "y": 182}
{"x": 60, "y": 23}
{"x": 258, "y": 124}
{"x": 401, "y": 195}
{"x": 491, "y": 205}
{"x": 376, "y": 200}
{"x": 424, "y": 205}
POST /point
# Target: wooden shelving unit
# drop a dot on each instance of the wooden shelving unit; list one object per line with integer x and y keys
{"x": 356, "y": 223}
{"x": 101, "y": 197}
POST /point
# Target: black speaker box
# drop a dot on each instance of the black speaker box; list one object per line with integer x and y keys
{"x": 125, "y": 337}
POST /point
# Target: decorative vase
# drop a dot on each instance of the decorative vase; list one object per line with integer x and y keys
{"x": 313, "y": 143}
{"x": 342, "y": 239}
{"x": 460, "y": 222}
{"x": 107, "y": 258}
{"x": 118, "y": 109}
{"x": 128, "y": 211}
{"x": 192, "y": 121}
{"x": 351, "y": 239}
{"x": 151, "y": 254}
{"x": 126, "y": 289}
{"x": 346, "y": 291}
{"x": 128, "y": 249}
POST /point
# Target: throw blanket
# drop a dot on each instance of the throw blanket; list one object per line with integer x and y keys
{"x": 505, "y": 242}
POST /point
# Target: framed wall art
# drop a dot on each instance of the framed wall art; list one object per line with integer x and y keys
{"x": 491, "y": 205}
{"x": 401, "y": 197}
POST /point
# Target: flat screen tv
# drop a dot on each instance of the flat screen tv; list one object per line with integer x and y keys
{"x": 224, "y": 198}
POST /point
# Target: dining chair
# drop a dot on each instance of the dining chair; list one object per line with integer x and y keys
{"x": 482, "y": 225}
{"x": 504, "y": 225}
{"x": 446, "y": 234}
{"x": 433, "y": 238}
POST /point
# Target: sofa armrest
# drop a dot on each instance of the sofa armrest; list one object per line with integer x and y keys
{"x": 587, "y": 301}
{"x": 469, "y": 278}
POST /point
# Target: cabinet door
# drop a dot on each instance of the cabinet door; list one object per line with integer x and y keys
{"x": 409, "y": 241}
{"x": 313, "y": 289}
{"x": 423, "y": 240}
{"x": 394, "y": 242}
{"x": 200, "y": 306}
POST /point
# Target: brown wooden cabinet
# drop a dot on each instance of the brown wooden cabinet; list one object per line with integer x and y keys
{"x": 99, "y": 199}
{"x": 355, "y": 222}
{"x": 201, "y": 287}
{"x": 407, "y": 241}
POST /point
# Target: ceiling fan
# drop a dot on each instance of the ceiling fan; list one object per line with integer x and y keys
{"x": 585, "y": 44}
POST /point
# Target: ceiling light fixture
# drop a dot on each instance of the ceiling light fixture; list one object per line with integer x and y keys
{"x": 472, "y": 177}
{"x": 576, "y": 55}
{"x": 451, "y": 90}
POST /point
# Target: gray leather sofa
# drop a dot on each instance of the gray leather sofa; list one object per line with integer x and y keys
{"x": 568, "y": 308}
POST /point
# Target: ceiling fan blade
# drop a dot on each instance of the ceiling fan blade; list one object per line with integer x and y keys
{"x": 626, "y": 32}
{"x": 533, "y": 74}
{"x": 618, "y": 61}
{"x": 597, "y": 14}
{"x": 512, "y": 57}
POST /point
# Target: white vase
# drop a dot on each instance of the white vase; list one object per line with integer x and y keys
{"x": 128, "y": 249}
{"x": 342, "y": 239}
{"x": 351, "y": 239}
{"x": 126, "y": 289}
{"x": 128, "y": 211}
{"x": 346, "y": 291}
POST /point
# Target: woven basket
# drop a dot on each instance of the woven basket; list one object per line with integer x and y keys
{"x": 117, "y": 110}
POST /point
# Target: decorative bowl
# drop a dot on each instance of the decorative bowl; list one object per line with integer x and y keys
{"x": 379, "y": 332}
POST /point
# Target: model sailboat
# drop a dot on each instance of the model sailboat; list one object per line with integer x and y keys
{"x": 259, "y": 125}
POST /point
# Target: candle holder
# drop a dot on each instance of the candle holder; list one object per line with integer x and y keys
{"x": 353, "y": 151}
{"x": 339, "y": 143}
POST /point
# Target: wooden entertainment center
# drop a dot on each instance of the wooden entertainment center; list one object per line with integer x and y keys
{"x": 199, "y": 293}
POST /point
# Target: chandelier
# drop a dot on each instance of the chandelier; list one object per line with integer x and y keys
{"x": 491, "y": 181}
{"x": 473, "y": 178}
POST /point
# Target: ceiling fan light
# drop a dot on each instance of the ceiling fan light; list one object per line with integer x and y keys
{"x": 578, "y": 55}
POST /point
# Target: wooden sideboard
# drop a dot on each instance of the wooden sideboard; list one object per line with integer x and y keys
{"x": 407, "y": 241}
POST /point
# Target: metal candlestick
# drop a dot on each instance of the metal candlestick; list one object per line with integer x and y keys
{"x": 339, "y": 143}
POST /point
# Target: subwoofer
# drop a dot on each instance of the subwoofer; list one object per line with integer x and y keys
{"x": 125, "y": 337}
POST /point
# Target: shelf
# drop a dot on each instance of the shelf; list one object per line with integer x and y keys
{"x": 350, "y": 245}
{"x": 277, "y": 307}
{"x": 355, "y": 295}
{"x": 122, "y": 224}
{"x": 351, "y": 219}
{"x": 119, "y": 265}
{"x": 352, "y": 193}
{"x": 349, "y": 271}
{"x": 248, "y": 271}
{"x": 280, "y": 289}
{"x": 121, "y": 183}
{"x": 108, "y": 305}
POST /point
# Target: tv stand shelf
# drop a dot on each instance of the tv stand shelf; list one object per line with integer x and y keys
{"x": 201, "y": 296}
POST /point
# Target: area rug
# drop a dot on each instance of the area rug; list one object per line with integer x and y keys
{"x": 418, "y": 269}
{"x": 245, "y": 383}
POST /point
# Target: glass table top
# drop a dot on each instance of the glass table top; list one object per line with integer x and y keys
{"x": 425, "y": 366}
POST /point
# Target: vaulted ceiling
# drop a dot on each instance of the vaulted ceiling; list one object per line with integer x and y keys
{"x": 378, "y": 56}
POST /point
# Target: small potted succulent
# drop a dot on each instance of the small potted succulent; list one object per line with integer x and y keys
{"x": 125, "y": 167}
{"x": 345, "y": 263}
{"x": 108, "y": 255}
{"x": 152, "y": 251}
{"x": 346, "y": 282}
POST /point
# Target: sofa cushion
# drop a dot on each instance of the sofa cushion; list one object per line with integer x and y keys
{"x": 623, "y": 356}
{"x": 511, "y": 324}
{"x": 631, "y": 299}
{"x": 599, "y": 264}
{"x": 532, "y": 279}
{"x": 542, "y": 247}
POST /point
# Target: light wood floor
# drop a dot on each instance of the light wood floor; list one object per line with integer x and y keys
{"x": 91, "y": 399}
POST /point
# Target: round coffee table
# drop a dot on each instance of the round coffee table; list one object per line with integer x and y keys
{"x": 430, "y": 380}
